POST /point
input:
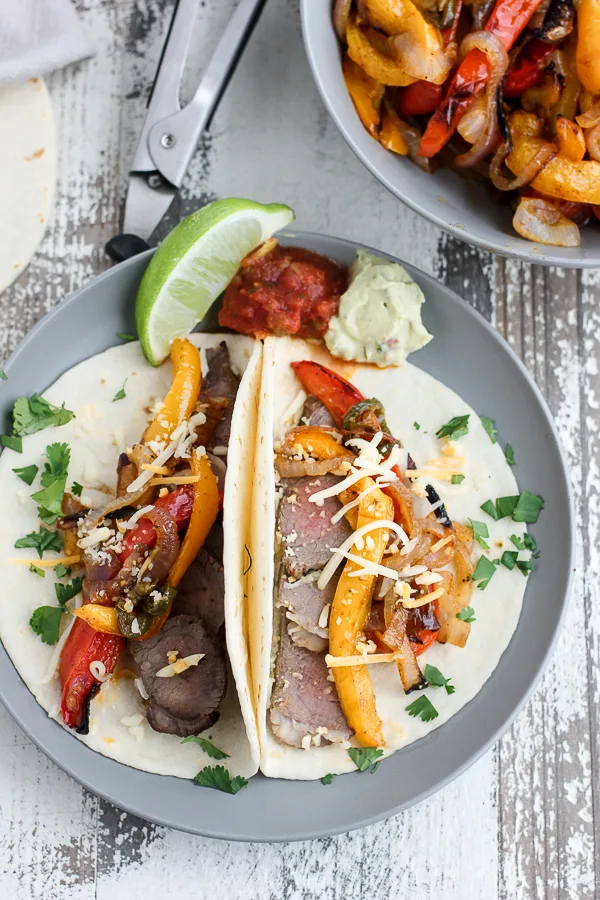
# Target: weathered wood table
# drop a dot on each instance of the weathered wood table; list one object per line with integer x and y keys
{"x": 523, "y": 822}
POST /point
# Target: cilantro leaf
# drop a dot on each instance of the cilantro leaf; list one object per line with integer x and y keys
{"x": 76, "y": 489}
{"x": 218, "y": 777}
{"x": 528, "y": 508}
{"x": 416, "y": 426}
{"x": 205, "y": 745}
{"x": 489, "y": 507}
{"x": 516, "y": 540}
{"x": 457, "y": 479}
{"x": 457, "y": 427}
{"x": 27, "y": 474}
{"x": 327, "y": 779}
{"x": 364, "y": 757}
{"x": 3, "y": 375}
{"x": 509, "y": 455}
{"x": 45, "y": 621}
{"x": 422, "y": 707}
{"x": 490, "y": 427}
{"x": 434, "y": 677}
{"x": 61, "y": 570}
{"x": 41, "y": 540}
{"x": 65, "y": 592}
{"x": 467, "y": 615}
{"x": 524, "y": 565}
{"x": 125, "y": 337}
{"x": 505, "y": 506}
{"x": 37, "y": 571}
{"x": 58, "y": 457}
{"x": 509, "y": 559}
{"x": 375, "y": 767}
{"x": 480, "y": 531}
{"x": 12, "y": 442}
{"x": 120, "y": 395}
{"x": 484, "y": 570}
{"x": 31, "y": 414}
{"x": 54, "y": 480}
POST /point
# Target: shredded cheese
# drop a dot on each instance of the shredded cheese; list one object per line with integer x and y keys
{"x": 369, "y": 567}
{"x": 422, "y": 601}
{"x": 96, "y": 536}
{"x": 428, "y": 578}
{"x": 337, "y": 662}
{"x": 45, "y": 563}
{"x": 137, "y": 515}
{"x": 442, "y": 543}
{"x": 294, "y": 407}
{"x": 157, "y": 470}
{"x": 342, "y": 512}
{"x": 176, "y": 479}
{"x": 352, "y": 541}
{"x": 180, "y": 665}
{"x": 437, "y": 474}
{"x": 324, "y": 617}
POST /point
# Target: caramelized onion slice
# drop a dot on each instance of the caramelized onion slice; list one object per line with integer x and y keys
{"x": 341, "y": 11}
{"x": 541, "y": 221}
{"x": 471, "y": 126}
{"x": 590, "y": 118}
{"x": 592, "y": 141}
{"x": 526, "y": 176}
{"x": 297, "y": 468}
{"x": 497, "y": 58}
{"x": 426, "y": 63}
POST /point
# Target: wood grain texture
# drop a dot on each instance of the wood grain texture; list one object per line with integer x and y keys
{"x": 522, "y": 823}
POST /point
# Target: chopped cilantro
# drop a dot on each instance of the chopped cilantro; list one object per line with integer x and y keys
{"x": 120, "y": 395}
{"x": 528, "y": 508}
{"x": 12, "y": 442}
{"x": 218, "y": 777}
{"x": 524, "y": 565}
{"x": 457, "y": 479}
{"x": 435, "y": 678}
{"x": 54, "y": 480}
{"x": 509, "y": 559}
{"x": 206, "y": 746}
{"x": 125, "y": 337}
{"x": 505, "y": 506}
{"x": 422, "y": 707}
{"x": 490, "y": 508}
{"x": 490, "y": 427}
{"x": 37, "y": 571}
{"x": 61, "y": 570}
{"x": 416, "y": 426}
{"x": 364, "y": 757}
{"x": 34, "y": 413}
{"x": 327, "y": 779}
{"x": 41, "y": 540}
{"x": 516, "y": 540}
{"x": 466, "y": 615}
{"x": 509, "y": 455}
{"x": 249, "y": 564}
{"x": 65, "y": 592}
{"x": 484, "y": 570}
{"x": 480, "y": 531}
{"x": 45, "y": 621}
{"x": 76, "y": 489}
{"x": 375, "y": 767}
{"x": 3, "y": 375}
{"x": 455, "y": 428}
{"x": 27, "y": 474}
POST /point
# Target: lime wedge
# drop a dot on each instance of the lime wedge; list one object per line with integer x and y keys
{"x": 194, "y": 265}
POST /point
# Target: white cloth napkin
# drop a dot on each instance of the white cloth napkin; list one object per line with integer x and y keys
{"x": 39, "y": 36}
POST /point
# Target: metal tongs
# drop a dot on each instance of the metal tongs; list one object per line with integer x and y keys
{"x": 171, "y": 134}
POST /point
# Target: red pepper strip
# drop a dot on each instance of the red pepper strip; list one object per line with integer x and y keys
{"x": 337, "y": 394}
{"x": 83, "y": 646}
{"x": 178, "y": 504}
{"x": 528, "y": 70}
{"x": 449, "y": 34}
{"x": 426, "y": 636}
{"x": 419, "y": 99}
{"x": 507, "y": 21}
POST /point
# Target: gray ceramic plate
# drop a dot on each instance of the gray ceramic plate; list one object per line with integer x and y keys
{"x": 456, "y": 203}
{"x": 472, "y": 359}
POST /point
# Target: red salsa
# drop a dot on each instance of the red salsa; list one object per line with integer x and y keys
{"x": 288, "y": 290}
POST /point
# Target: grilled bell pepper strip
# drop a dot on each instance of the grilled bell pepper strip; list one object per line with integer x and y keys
{"x": 507, "y": 21}
{"x": 204, "y": 513}
{"x": 350, "y": 608}
{"x": 83, "y": 646}
{"x": 561, "y": 178}
{"x": 528, "y": 70}
{"x": 588, "y": 45}
{"x": 100, "y": 618}
{"x": 366, "y": 93}
{"x": 375, "y": 62}
{"x": 179, "y": 504}
{"x": 419, "y": 99}
{"x": 334, "y": 392}
{"x": 183, "y": 393}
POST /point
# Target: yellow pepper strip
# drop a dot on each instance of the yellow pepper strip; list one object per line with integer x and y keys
{"x": 398, "y": 17}
{"x": 524, "y": 124}
{"x": 366, "y": 93}
{"x": 349, "y": 612}
{"x": 562, "y": 178}
{"x": 204, "y": 513}
{"x": 373, "y": 60}
{"x": 588, "y": 45}
{"x": 390, "y": 135}
{"x": 100, "y": 618}
{"x": 570, "y": 139}
{"x": 183, "y": 393}
{"x": 314, "y": 442}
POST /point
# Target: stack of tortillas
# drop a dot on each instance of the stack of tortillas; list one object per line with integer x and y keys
{"x": 27, "y": 173}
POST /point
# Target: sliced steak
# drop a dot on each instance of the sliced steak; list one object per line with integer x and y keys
{"x": 304, "y": 601}
{"x": 303, "y": 700}
{"x": 306, "y": 529}
{"x": 201, "y": 593}
{"x": 316, "y": 413}
{"x": 187, "y": 703}
{"x": 220, "y": 382}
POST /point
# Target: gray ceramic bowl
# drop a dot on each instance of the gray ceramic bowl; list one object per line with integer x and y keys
{"x": 457, "y": 204}
{"x": 471, "y": 358}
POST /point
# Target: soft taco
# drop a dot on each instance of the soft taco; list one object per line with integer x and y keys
{"x": 117, "y": 609}
{"x": 368, "y": 625}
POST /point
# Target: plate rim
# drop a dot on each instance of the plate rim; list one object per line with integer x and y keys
{"x": 437, "y": 783}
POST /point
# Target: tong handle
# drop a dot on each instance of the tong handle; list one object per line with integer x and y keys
{"x": 173, "y": 140}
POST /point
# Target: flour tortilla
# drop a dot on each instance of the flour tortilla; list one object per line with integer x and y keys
{"x": 99, "y": 432}
{"x": 409, "y": 395}
{"x": 27, "y": 173}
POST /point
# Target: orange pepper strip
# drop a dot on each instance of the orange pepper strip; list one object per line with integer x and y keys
{"x": 183, "y": 393}
{"x": 204, "y": 513}
{"x": 100, "y": 618}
